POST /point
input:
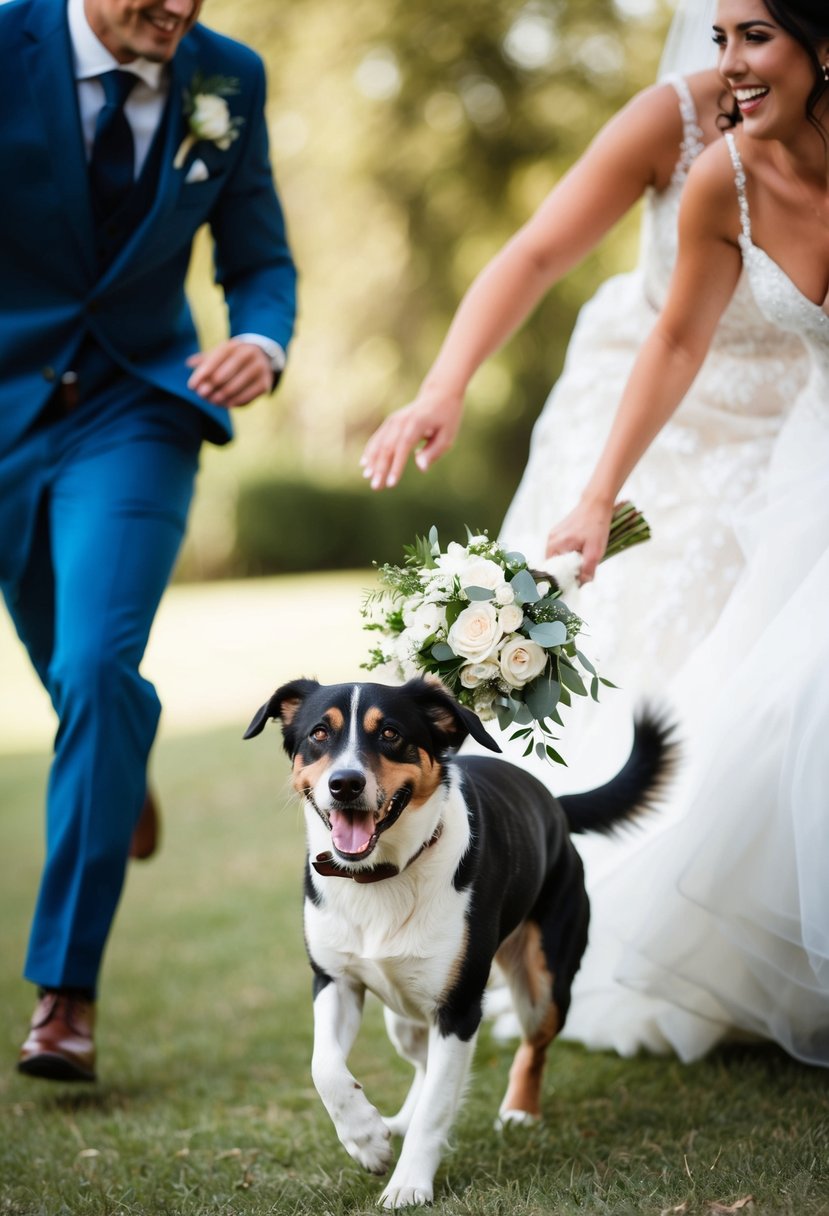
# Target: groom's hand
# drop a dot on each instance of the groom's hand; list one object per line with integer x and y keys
{"x": 231, "y": 374}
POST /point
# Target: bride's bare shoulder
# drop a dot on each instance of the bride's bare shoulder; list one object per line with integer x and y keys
{"x": 710, "y": 197}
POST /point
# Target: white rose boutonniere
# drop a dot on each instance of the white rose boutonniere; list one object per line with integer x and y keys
{"x": 208, "y": 115}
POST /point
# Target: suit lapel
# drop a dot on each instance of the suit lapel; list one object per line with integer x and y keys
{"x": 49, "y": 71}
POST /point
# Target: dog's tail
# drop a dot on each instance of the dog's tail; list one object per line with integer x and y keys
{"x": 637, "y": 787}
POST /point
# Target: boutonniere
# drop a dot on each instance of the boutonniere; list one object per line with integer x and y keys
{"x": 208, "y": 114}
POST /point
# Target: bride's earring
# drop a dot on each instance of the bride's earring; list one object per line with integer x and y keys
{"x": 826, "y": 73}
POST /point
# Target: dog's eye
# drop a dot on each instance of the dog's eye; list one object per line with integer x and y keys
{"x": 390, "y": 734}
{"x": 319, "y": 734}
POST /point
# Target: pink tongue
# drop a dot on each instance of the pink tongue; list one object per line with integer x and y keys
{"x": 351, "y": 833}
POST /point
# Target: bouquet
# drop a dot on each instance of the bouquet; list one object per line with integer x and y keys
{"x": 497, "y": 633}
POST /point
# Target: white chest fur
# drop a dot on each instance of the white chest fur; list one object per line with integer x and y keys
{"x": 402, "y": 938}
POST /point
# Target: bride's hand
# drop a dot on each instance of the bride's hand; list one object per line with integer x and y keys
{"x": 585, "y": 530}
{"x": 431, "y": 420}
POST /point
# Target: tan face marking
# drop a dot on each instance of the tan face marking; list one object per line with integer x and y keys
{"x": 371, "y": 720}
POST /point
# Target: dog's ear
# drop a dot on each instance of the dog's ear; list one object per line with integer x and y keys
{"x": 450, "y": 721}
{"x": 283, "y": 705}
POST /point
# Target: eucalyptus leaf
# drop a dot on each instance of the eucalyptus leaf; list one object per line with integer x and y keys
{"x": 521, "y": 713}
{"x": 542, "y": 696}
{"x": 443, "y": 653}
{"x": 554, "y": 756}
{"x": 586, "y": 664}
{"x": 549, "y": 633}
{"x": 478, "y": 593}
{"x": 524, "y": 588}
{"x": 571, "y": 679}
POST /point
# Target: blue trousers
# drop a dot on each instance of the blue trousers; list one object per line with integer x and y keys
{"x": 93, "y": 509}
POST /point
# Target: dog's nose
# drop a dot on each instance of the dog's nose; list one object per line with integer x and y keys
{"x": 346, "y": 784}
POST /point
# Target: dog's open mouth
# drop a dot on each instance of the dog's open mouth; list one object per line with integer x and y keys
{"x": 354, "y": 834}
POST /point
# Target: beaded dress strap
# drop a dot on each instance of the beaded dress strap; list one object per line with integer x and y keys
{"x": 740, "y": 183}
{"x": 692, "y": 136}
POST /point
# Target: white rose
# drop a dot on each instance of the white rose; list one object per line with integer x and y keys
{"x": 504, "y": 594}
{"x": 474, "y": 674}
{"x": 210, "y": 118}
{"x": 481, "y": 572}
{"x": 476, "y": 632}
{"x": 510, "y": 618}
{"x": 521, "y": 661}
{"x": 426, "y": 619}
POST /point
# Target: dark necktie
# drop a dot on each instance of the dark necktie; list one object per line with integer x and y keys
{"x": 112, "y": 165}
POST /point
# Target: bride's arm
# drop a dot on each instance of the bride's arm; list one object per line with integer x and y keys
{"x": 706, "y": 274}
{"x": 636, "y": 149}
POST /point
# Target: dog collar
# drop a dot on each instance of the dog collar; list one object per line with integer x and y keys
{"x": 327, "y": 867}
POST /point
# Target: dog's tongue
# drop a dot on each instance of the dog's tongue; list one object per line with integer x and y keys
{"x": 351, "y": 833}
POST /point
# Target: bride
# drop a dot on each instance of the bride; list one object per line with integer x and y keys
{"x": 716, "y": 922}
{"x": 651, "y": 606}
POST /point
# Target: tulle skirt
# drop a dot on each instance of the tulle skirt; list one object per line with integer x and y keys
{"x": 713, "y": 922}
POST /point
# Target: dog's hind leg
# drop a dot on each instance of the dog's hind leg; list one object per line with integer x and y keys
{"x": 523, "y": 961}
{"x": 411, "y": 1042}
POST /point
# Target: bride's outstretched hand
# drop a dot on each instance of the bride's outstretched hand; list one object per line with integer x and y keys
{"x": 428, "y": 424}
{"x": 585, "y": 530}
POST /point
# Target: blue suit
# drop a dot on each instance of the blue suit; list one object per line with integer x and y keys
{"x": 93, "y": 503}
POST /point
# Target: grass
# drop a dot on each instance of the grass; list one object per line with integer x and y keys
{"x": 205, "y": 1103}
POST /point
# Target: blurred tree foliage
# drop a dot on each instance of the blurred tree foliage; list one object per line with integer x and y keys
{"x": 410, "y": 139}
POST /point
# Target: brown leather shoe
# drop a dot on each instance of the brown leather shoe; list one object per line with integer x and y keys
{"x": 147, "y": 831}
{"x": 60, "y": 1046}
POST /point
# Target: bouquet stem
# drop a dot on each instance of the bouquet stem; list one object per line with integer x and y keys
{"x": 628, "y": 527}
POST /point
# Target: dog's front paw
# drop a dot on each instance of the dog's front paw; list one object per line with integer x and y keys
{"x": 402, "y": 1196}
{"x": 367, "y": 1139}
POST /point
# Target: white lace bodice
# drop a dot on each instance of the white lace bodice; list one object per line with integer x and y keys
{"x": 742, "y": 324}
{"x": 783, "y": 304}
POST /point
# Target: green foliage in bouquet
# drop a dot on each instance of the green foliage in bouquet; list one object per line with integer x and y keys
{"x": 498, "y": 634}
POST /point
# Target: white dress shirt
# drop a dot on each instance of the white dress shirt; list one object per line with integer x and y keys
{"x": 143, "y": 110}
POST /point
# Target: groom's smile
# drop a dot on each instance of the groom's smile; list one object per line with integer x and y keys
{"x": 149, "y": 29}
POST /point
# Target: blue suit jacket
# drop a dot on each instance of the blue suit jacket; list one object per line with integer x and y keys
{"x": 51, "y": 291}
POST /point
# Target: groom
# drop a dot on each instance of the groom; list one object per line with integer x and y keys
{"x": 125, "y": 127}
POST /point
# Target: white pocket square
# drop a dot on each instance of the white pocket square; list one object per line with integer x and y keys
{"x": 198, "y": 172}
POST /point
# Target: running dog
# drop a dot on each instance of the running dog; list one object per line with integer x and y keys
{"x": 424, "y": 867}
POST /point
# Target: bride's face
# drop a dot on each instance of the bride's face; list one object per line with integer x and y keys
{"x": 768, "y": 71}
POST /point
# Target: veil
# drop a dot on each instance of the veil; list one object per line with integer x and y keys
{"x": 689, "y": 47}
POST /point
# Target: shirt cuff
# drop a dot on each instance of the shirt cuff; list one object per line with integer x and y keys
{"x": 272, "y": 349}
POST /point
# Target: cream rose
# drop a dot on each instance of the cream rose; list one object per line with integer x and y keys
{"x": 510, "y": 618}
{"x": 476, "y": 632}
{"x": 521, "y": 661}
{"x": 474, "y": 674}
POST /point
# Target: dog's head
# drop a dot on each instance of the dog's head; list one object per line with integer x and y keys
{"x": 364, "y": 753}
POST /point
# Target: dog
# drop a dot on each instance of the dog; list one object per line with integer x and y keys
{"x": 423, "y": 867}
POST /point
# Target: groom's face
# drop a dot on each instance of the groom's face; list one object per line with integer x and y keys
{"x": 151, "y": 29}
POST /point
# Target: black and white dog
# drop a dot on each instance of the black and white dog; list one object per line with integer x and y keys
{"x": 422, "y": 869}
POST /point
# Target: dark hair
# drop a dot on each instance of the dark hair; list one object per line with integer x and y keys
{"x": 807, "y": 21}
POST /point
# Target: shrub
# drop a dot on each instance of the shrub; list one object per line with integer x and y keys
{"x": 285, "y": 527}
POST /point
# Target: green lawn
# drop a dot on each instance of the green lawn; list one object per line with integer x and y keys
{"x": 205, "y": 1103}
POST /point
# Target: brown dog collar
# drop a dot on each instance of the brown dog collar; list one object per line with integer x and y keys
{"x": 327, "y": 867}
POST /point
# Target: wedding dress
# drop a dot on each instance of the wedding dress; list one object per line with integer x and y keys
{"x": 647, "y": 608}
{"x": 716, "y": 923}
